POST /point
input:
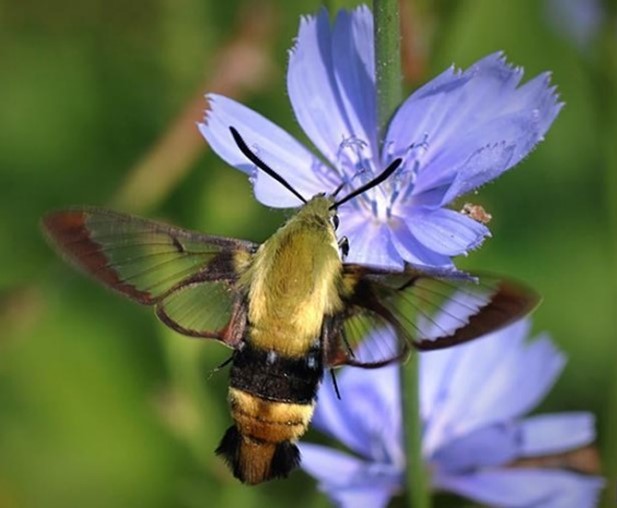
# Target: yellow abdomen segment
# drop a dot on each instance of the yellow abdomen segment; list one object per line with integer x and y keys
{"x": 266, "y": 420}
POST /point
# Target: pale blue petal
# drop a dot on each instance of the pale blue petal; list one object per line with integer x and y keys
{"x": 490, "y": 446}
{"x": 505, "y": 141}
{"x": 434, "y": 379}
{"x": 328, "y": 465}
{"x": 502, "y": 443}
{"x": 410, "y": 248}
{"x": 354, "y": 66}
{"x": 480, "y": 394}
{"x": 490, "y": 380}
{"x": 367, "y": 419}
{"x": 445, "y": 231}
{"x": 329, "y": 73}
{"x": 470, "y": 369}
{"x": 373, "y": 401}
{"x": 539, "y": 92}
{"x": 481, "y": 153}
{"x": 476, "y": 165}
{"x": 475, "y": 125}
{"x": 272, "y": 144}
{"x": 437, "y": 367}
{"x": 524, "y": 488}
{"x": 443, "y": 109}
{"x": 361, "y": 497}
{"x": 515, "y": 385}
{"x": 348, "y": 480}
{"x": 335, "y": 417}
{"x": 382, "y": 384}
{"x": 548, "y": 434}
{"x": 370, "y": 240}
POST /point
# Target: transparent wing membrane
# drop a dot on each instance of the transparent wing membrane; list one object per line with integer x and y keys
{"x": 198, "y": 309}
{"x": 430, "y": 309}
{"x": 188, "y": 275}
{"x": 421, "y": 310}
{"x": 383, "y": 350}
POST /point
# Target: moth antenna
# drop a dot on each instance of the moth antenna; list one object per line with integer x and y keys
{"x": 369, "y": 185}
{"x": 338, "y": 189}
{"x": 261, "y": 164}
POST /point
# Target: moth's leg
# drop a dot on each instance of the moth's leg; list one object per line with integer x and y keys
{"x": 331, "y": 338}
{"x": 343, "y": 245}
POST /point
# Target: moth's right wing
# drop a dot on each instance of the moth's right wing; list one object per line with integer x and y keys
{"x": 419, "y": 309}
{"x": 189, "y": 277}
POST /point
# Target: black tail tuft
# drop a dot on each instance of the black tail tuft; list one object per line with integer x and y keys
{"x": 286, "y": 458}
{"x": 229, "y": 448}
{"x": 254, "y": 461}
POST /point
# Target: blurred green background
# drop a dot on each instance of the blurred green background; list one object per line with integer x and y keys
{"x": 100, "y": 405}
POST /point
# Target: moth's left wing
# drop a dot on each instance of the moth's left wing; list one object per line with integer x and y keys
{"x": 426, "y": 310}
{"x": 188, "y": 276}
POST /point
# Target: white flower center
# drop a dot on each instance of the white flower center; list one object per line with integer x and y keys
{"x": 358, "y": 167}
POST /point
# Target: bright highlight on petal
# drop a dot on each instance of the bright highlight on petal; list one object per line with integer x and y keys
{"x": 271, "y": 143}
{"x": 477, "y": 441}
{"x": 454, "y": 134}
{"x": 331, "y": 81}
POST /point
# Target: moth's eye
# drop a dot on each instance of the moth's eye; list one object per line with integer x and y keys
{"x": 335, "y": 222}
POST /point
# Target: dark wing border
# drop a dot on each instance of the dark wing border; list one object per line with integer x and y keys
{"x": 68, "y": 232}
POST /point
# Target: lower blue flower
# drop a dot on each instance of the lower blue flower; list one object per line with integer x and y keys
{"x": 477, "y": 441}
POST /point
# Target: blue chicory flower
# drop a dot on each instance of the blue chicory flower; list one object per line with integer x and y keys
{"x": 473, "y": 401}
{"x": 454, "y": 134}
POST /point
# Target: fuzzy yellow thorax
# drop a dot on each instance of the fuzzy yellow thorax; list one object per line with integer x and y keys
{"x": 293, "y": 281}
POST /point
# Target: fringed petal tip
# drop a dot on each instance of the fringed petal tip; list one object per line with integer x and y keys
{"x": 477, "y": 124}
{"x": 497, "y": 61}
{"x": 210, "y": 99}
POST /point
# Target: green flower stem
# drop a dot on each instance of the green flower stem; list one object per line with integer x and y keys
{"x": 389, "y": 96}
{"x": 418, "y": 487}
{"x": 387, "y": 60}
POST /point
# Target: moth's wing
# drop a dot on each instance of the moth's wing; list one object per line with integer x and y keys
{"x": 426, "y": 310}
{"x": 344, "y": 334}
{"x": 209, "y": 308}
{"x": 189, "y": 276}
